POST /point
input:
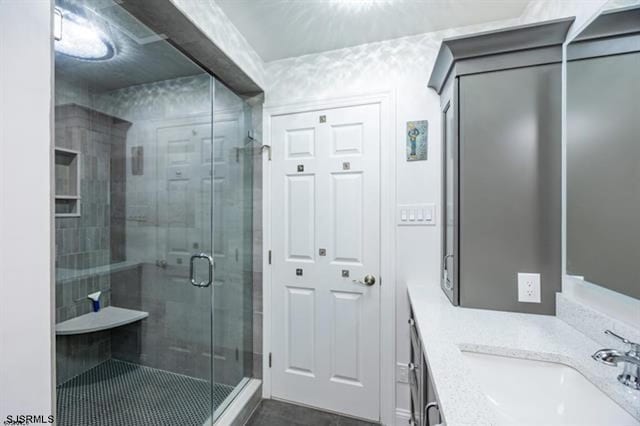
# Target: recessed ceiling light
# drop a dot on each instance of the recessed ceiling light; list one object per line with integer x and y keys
{"x": 78, "y": 38}
{"x": 359, "y": 5}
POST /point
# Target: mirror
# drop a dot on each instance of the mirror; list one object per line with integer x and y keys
{"x": 603, "y": 150}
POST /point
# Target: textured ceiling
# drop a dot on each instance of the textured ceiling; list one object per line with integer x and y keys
{"x": 284, "y": 28}
{"x": 142, "y": 56}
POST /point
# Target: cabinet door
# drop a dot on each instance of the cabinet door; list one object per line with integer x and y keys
{"x": 431, "y": 415}
{"x": 449, "y": 277}
{"x": 510, "y": 186}
{"x": 415, "y": 375}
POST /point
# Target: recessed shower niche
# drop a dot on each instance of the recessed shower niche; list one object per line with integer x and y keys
{"x": 67, "y": 177}
{"x": 85, "y": 135}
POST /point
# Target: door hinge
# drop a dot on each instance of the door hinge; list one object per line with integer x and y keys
{"x": 237, "y": 354}
{"x": 268, "y": 148}
{"x": 269, "y": 359}
{"x": 269, "y": 257}
{"x": 380, "y": 281}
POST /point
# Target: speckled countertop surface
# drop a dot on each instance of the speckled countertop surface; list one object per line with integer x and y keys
{"x": 446, "y": 330}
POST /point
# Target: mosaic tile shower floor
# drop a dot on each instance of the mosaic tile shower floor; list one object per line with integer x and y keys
{"x": 120, "y": 393}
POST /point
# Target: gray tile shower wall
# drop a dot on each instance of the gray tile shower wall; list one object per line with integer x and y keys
{"x": 92, "y": 240}
{"x": 177, "y": 334}
{"x": 86, "y": 242}
{"x": 117, "y": 207}
{"x": 77, "y": 354}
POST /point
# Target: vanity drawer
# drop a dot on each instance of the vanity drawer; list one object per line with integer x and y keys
{"x": 431, "y": 412}
{"x": 415, "y": 378}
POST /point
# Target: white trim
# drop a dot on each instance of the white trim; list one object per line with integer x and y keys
{"x": 387, "y": 102}
{"x": 266, "y": 247}
{"x": 402, "y": 416}
{"x": 27, "y": 315}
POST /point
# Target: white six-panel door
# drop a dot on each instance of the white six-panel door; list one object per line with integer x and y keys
{"x": 325, "y": 238}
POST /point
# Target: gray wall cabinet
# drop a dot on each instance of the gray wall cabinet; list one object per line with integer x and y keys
{"x": 501, "y": 117}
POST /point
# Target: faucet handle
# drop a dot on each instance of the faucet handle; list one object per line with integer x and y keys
{"x": 635, "y": 347}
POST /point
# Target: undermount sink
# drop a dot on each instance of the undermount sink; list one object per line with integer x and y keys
{"x": 528, "y": 392}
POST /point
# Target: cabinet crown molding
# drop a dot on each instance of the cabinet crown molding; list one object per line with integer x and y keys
{"x": 529, "y": 37}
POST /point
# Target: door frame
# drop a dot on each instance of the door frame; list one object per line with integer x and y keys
{"x": 387, "y": 103}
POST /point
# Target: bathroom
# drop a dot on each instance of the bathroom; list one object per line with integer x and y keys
{"x": 271, "y": 212}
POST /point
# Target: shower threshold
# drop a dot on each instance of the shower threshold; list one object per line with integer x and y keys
{"x": 120, "y": 393}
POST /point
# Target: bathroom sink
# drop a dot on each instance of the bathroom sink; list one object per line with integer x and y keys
{"x": 527, "y": 392}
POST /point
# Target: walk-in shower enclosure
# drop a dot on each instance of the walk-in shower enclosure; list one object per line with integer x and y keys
{"x": 153, "y": 192}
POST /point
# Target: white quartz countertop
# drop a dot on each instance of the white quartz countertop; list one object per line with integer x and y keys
{"x": 446, "y": 330}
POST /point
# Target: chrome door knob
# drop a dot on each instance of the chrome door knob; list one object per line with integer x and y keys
{"x": 369, "y": 280}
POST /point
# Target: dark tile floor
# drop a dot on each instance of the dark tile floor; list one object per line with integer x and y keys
{"x": 120, "y": 393}
{"x": 276, "y": 413}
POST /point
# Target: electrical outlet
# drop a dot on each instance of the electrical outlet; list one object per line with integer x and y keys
{"x": 528, "y": 287}
{"x": 402, "y": 373}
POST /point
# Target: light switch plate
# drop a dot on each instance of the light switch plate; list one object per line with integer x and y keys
{"x": 528, "y": 287}
{"x": 416, "y": 214}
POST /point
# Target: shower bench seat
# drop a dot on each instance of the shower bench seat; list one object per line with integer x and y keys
{"x": 106, "y": 318}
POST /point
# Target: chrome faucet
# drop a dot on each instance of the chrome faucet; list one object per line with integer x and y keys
{"x": 631, "y": 359}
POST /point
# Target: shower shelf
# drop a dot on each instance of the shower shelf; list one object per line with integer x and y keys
{"x": 105, "y": 319}
{"x": 67, "y": 182}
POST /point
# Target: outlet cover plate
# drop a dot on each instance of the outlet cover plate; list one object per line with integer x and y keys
{"x": 528, "y": 287}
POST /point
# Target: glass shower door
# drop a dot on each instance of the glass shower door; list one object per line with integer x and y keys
{"x": 134, "y": 225}
{"x": 234, "y": 153}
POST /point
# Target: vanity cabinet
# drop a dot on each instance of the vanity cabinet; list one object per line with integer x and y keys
{"x": 424, "y": 405}
{"x": 500, "y": 96}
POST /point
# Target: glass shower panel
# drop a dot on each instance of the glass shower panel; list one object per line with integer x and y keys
{"x": 134, "y": 162}
{"x": 234, "y": 153}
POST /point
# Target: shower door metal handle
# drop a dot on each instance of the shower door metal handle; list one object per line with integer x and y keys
{"x": 192, "y": 271}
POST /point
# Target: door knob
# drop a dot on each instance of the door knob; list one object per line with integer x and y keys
{"x": 369, "y": 280}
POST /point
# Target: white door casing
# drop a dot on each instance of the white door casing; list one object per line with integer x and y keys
{"x": 325, "y": 218}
